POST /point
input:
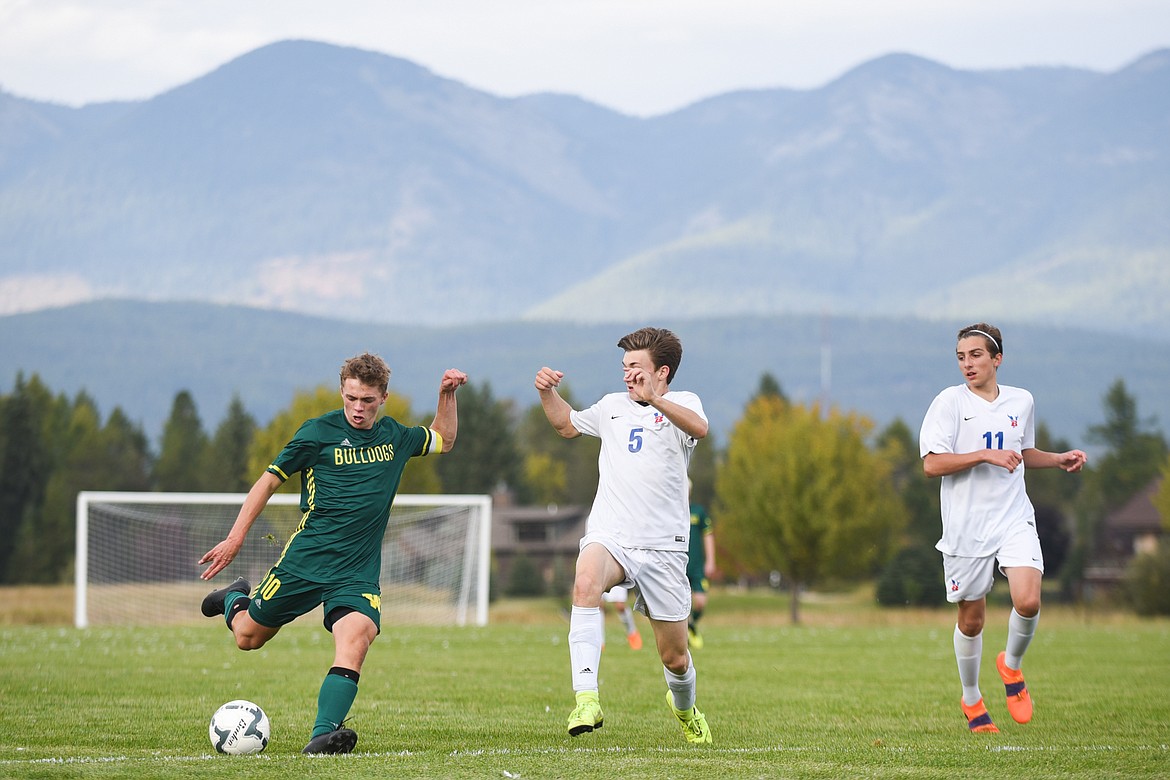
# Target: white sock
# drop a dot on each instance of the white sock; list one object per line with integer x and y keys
{"x": 586, "y": 636}
{"x": 968, "y": 651}
{"x": 1020, "y": 633}
{"x": 628, "y": 619}
{"x": 682, "y": 686}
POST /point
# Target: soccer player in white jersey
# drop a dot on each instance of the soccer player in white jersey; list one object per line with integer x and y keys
{"x": 640, "y": 521}
{"x": 980, "y": 438}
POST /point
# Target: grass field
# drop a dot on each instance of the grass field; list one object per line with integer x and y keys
{"x": 855, "y": 691}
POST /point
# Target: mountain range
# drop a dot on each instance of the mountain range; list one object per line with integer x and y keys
{"x": 355, "y": 186}
{"x": 138, "y": 355}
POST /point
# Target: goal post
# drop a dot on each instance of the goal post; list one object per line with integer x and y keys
{"x": 137, "y": 557}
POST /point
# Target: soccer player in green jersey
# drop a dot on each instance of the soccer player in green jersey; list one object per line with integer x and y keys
{"x": 350, "y": 463}
{"x": 700, "y": 569}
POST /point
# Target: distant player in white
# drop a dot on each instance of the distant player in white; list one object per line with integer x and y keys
{"x": 619, "y": 597}
{"x": 640, "y": 522}
{"x": 980, "y": 438}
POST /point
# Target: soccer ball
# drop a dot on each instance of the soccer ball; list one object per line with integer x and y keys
{"x": 239, "y": 727}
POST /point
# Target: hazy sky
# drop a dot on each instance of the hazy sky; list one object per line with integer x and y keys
{"x": 639, "y": 56}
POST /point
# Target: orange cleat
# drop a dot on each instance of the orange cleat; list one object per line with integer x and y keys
{"x": 635, "y": 640}
{"x": 1019, "y": 701}
{"x": 978, "y": 719}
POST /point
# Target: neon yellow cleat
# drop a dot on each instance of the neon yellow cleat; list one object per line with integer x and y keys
{"x": 694, "y": 723}
{"x": 587, "y": 715}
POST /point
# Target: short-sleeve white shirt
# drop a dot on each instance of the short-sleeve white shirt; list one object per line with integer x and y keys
{"x": 642, "y": 497}
{"x": 984, "y": 505}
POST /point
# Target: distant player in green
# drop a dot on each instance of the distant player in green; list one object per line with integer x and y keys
{"x": 350, "y": 463}
{"x": 700, "y": 569}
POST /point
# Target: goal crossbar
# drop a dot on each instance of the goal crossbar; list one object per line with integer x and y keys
{"x": 436, "y": 552}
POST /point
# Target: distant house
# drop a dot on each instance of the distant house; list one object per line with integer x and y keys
{"x": 546, "y": 536}
{"x": 1133, "y": 528}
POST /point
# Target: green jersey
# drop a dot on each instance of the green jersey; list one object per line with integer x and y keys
{"x": 700, "y": 528}
{"x": 349, "y": 478}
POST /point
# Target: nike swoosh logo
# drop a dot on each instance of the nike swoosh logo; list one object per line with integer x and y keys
{"x": 969, "y": 419}
{"x": 614, "y": 416}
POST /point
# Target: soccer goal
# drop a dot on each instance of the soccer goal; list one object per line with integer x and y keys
{"x": 138, "y": 554}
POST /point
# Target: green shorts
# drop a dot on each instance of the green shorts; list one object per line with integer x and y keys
{"x": 699, "y": 583}
{"x": 282, "y": 597}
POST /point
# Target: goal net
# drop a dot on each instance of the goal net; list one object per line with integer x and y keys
{"x": 138, "y": 554}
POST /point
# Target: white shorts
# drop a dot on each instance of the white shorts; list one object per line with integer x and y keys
{"x": 970, "y": 579}
{"x": 664, "y": 593}
{"x": 616, "y": 595}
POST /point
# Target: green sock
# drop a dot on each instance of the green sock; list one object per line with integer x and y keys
{"x": 333, "y": 702}
{"x": 229, "y": 601}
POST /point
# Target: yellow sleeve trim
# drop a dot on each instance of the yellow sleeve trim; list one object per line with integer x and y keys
{"x": 275, "y": 470}
{"x": 436, "y": 444}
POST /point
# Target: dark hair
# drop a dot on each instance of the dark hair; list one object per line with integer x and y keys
{"x": 664, "y": 347}
{"x": 991, "y": 336}
{"x": 368, "y": 369}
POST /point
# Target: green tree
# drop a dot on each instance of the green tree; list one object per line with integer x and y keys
{"x": 225, "y": 467}
{"x": 488, "y": 457}
{"x": 524, "y": 579}
{"x": 1132, "y": 456}
{"x": 704, "y": 470}
{"x": 1134, "y": 452}
{"x": 26, "y": 460}
{"x": 1054, "y": 494}
{"x": 769, "y": 386}
{"x": 115, "y": 456}
{"x": 1147, "y": 582}
{"x": 184, "y": 448}
{"x": 802, "y": 493}
{"x": 919, "y": 494}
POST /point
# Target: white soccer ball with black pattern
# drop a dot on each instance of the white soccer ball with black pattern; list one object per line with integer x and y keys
{"x": 239, "y": 727}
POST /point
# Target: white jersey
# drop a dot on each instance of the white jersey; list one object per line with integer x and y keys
{"x": 642, "y": 497}
{"x": 984, "y": 505}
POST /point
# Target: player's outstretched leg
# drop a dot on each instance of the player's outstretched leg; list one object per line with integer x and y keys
{"x": 978, "y": 719}
{"x": 693, "y": 722}
{"x": 334, "y": 742}
{"x": 1019, "y": 701}
{"x": 213, "y": 602}
{"x": 587, "y": 715}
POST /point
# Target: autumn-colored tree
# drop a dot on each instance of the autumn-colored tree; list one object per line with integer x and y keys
{"x": 804, "y": 494}
{"x": 556, "y": 470}
{"x": 1162, "y": 497}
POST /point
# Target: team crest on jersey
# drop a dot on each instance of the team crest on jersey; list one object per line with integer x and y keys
{"x": 954, "y": 585}
{"x": 1015, "y": 420}
{"x": 659, "y": 418}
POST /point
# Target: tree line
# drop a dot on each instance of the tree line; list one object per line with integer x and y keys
{"x": 815, "y": 495}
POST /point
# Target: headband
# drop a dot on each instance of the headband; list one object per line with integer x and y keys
{"x": 988, "y": 335}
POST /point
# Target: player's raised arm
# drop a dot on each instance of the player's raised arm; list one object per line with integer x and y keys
{"x": 556, "y": 409}
{"x": 446, "y": 422}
